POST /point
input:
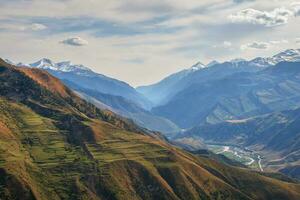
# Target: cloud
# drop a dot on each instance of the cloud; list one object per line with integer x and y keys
{"x": 276, "y": 17}
{"x": 225, "y": 44}
{"x": 75, "y": 41}
{"x": 23, "y": 27}
{"x": 298, "y": 40}
{"x": 264, "y": 45}
{"x": 275, "y": 42}
{"x": 296, "y": 6}
{"x": 242, "y": 1}
{"x": 256, "y": 45}
{"x": 37, "y": 27}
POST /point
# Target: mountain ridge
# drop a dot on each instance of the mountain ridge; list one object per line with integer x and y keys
{"x": 177, "y": 81}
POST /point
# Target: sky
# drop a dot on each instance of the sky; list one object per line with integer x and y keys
{"x": 141, "y": 41}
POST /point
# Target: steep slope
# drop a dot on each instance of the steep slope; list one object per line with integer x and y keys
{"x": 275, "y": 135}
{"x": 56, "y": 146}
{"x": 127, "y": 109}
{"x": 236, "y": 96}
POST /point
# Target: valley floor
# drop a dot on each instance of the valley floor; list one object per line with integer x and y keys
{"x": 245, "y": 156}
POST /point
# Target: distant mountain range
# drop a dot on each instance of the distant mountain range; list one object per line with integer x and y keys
{"x": 229, "y": 90}
{"x": 161, "y": 92}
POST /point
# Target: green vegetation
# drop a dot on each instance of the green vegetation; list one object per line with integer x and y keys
{"x": 247, "y": 158}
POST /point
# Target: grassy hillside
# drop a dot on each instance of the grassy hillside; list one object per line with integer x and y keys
{"x": 56, "y": 146}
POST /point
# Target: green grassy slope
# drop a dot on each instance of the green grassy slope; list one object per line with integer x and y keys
{"x": 53, "y": 145}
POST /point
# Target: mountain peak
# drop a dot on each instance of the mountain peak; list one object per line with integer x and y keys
{"x": 198, "y": 66}
{"x": 288, "y": 55}
{"x": 65, "y": 66}
{"x": 43, "y": 63}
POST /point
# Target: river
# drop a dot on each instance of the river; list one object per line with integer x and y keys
{"x": 244, "y": 155}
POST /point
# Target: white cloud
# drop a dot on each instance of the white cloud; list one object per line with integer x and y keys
{"x": 264, "y": 45}
{"x": 227, "y": 44}
{"x": 242, "y": 1}
{"x": 275, "y": 17}
{"x": 75, "y": 41}
{"x": 256, "y": 45}
{"x": 275, "y": 42}
{"x": 37, "y": 27}
{"x": 297, "y": 11}
{"x": 298, "y": 40}
{"x": 23, "y": 27}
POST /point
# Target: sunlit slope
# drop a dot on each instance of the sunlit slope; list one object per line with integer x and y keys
{"x": 57, "y": 147}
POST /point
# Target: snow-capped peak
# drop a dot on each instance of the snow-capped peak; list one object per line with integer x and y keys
{"x": 65, "y": 66}
{"x": 292, "y": 55}
{"x": 197, "y": 66}
{"x": 262, "y": 62}
{"x": 44, "y": 63}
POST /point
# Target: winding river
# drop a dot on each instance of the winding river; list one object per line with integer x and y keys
{"x": 248, "y": 156}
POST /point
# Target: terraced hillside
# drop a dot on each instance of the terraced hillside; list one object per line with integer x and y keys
{"x": 53, "y": 145}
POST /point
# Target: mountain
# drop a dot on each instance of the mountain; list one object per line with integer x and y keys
{"x": 54, "y": 145}
{"x": 88, "y": 79}
{"x": 107, "y": 93}
{"x": 163, "y": 91}
{"x": 276, "y": 136}
{"x": 159, "y": 92}
{"x": 215, "y": 97}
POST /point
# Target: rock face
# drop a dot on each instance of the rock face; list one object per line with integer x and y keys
{"x": 54, "y": 145}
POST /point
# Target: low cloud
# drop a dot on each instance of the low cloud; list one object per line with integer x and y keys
{"x": 242, "y": 1}
{"x": 274, "y": 42}
{"x": 225, "y": 44}
{"x": 263, "y": 45}
{"x": 23, "y": 27}
{"x": 37, "y": 27}
{"x": 256, "y": 45}
{"x": 75, "y": 41}
{"x": 276, "y": 17}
